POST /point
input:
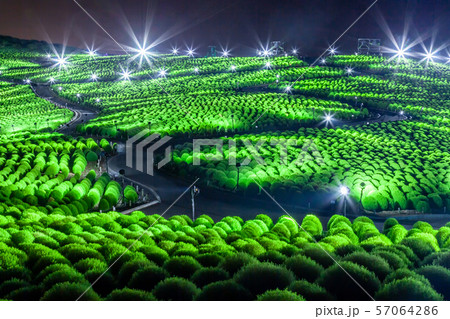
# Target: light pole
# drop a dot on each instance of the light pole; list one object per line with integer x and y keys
{"x": 194, "y": 192}
{"x": 149, "y": 125}
{"x": 238, "y": 165}
{"x": 356, "y": 101}
{"x": 344, "y": 190}
{"x": 35, "y": 127}
{"x": 363, "y": 186}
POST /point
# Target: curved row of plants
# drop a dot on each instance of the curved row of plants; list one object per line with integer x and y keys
{"x": 402, "y": 165}
{"x": 57, "y": 257}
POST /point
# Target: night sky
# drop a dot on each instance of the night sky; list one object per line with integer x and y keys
{"x": 310, "y": 25}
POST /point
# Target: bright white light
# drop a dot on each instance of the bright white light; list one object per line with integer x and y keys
{"x": 125, "y": 75}
{"x": 142, "y": 52}
{"x": 323, "y": 61}
{"x": 94, "y": 77}
{"x": 225, "y": 54}
{"x": 190, "y": 52}
{"x": 196, "y": 70}
{"x": 401, "y": 53}
{"x": 401, "y": 112}
{"x": 48, "y": 56}
{"x": 349, "y": 70}
{"x": 288, "y": 89}
{"x": 61, "y": 61}
{"x": 328, "y": 118}
{"x": 97, "y": 100}
{"x": 268, "y": 64}
{"x": 265, "y": 53}
{"x": 27, "y": 81}
{"x": 91, "y": 53}
{"x": 162, "y": 73}
{"x": 52, "y": 80}
{"x": 60, "y": 88}
{"x": 294, "y": 51}
{"x": 332, "y": 51}
{"x": 233, "y": 68}
{"x": 429, "y": 56}
{"x": 78, "y": 95}
{"x": 344, "y": 190}
{"x": 174, "y": 51}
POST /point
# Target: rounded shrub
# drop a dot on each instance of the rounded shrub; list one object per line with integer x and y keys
{"x": 304, "y": 267}
{"x": 407, "y": 289}
{"x": 147, "y": 278}
{"x": 175, "y": 289}
{"x": 280, "y": 295}
{"x": 275, "y": 277}
{"x": 127, "y": 294}
{"x": 69, "y": 292}
{"x": 273, "y": 256}
{"x": 182, "y": 266}
{"x": 341, "y": 285}
{"x": 310, "y": 291}
{"x": 129, "y": 268}
{"x": 205, "y": 276}
{"x": 233, "y": 263}
{"x": 376, "y": 264}
{"x": 439, "y": 278}
{"x": 227, "y": 290}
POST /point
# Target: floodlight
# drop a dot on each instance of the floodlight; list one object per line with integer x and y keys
{"x": 268, "y": 64}
{"x": 91, "y": 53}
{"x": 125, "y": 75}
{"x": 332, "y": 51}
{"x": 97, "y": 100}
{"x": 328, "y": 118}
{"x": 288, "y": 89}
{"x": 48, "y": 56}
{"x": 94, "y": 77}
{"x": 294, "y": 51}
{"x": 52, "y": 80}
{"x": 344, "y": 190}
{"x": 190, "y": 52}
{"x": 401, "y": 112}
{"x": 323, "y": 61}
{"x": 196, "y": 70}
{"x": 265, "y": 53}
{"x": 349, "y": 71}
{"x": 61, "y": 61}
{"x": 60, "y": 88}
{"x": 233, "y": 68}
{"x": 225, "y": 54}
{"x": 78, "y": 95}
{"x": 162, "y": 73}
{"x": 27, "y": 81}
{"x": 174, "y": 51}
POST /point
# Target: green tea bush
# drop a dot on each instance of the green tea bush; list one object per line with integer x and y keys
{"x": 233, "y": 263}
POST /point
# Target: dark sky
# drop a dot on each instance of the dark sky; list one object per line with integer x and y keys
{"x": 310, "y": 25}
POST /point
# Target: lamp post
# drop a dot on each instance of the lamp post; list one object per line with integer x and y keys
{"x": 194, "y": 192}
{"x": 149, "y": 125}
{"x": 356, "y": 101}
{"x": 363, "y": 186}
